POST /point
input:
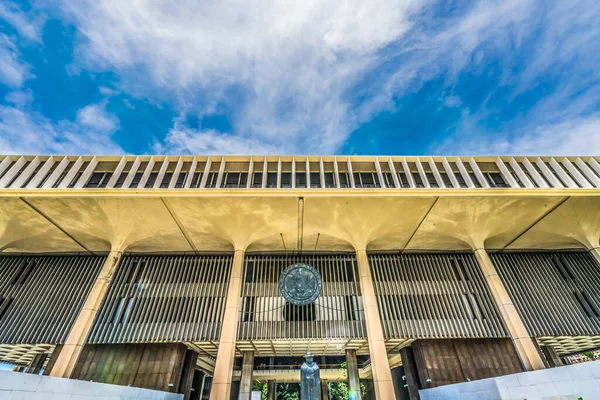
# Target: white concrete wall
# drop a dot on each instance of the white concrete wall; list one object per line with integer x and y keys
{"x": 17, "y": 386}
{"x": 563, "y": 383}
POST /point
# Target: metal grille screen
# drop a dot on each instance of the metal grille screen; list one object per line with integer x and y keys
{"x": 40, "y": 296}
{"x": 556, "y": 294}
{"x": 337, "y": 313}
{"x": 434, "y": 296}
{"x": 164, "y": 298}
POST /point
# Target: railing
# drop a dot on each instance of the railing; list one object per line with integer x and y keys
{"x": 232, "y": 172}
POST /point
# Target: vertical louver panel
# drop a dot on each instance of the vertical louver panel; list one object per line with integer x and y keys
{"x": 556, "y": 294}
{"x": 337, "y": 313}
{"x": 434, "y": 296}
{"x": 41, "y": 296}
{"x": 164, "y": 298}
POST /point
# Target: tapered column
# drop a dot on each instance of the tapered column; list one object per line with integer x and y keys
{"x": 221, "y": 385}
{"x": 271, "y": 390}
{"x": 526, "y": 349}
{"x": 382, "y": 377}
{"x": 353, "y": 377}
{"x": 246, "y": 380}
{"x": 70, "y": 351}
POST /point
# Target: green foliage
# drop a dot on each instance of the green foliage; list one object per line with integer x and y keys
{"x": 589, "y": 354}
{"x": 288, "y": 391}
{"x": 262, "y": 387}
{"x": 338, "y": 390}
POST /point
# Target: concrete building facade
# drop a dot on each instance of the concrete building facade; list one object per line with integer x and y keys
{"x": 161, "y": 272}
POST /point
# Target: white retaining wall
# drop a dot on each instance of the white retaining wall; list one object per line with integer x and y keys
{"x": 563, "y": 383}
{"x": 20, "y": 386}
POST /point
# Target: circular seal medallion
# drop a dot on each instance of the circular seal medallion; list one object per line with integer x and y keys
{"x": 300, "y": 284}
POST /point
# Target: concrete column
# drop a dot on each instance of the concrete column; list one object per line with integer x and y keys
{"x": 526, "y": 348}
{"x": 324, "y": 390}
{"x": 271, "y": 390}
{"x": 382, "y": 377}
{"x": 221, "y": 385}
{"x": 70, "y": 351}
{"x": 36, "y": 365}
{"x": 353, "y": 377}
{"x": 246, "y": 379}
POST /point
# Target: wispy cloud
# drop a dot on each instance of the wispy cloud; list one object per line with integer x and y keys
{"x": 286, "y": 71}
{"x": 13, "y": 72}
{"x": 280, "y": 68}
{"x": 95, "y": 116}
{"x": 578, "y": 136}
{"x": 25, "y": 131}
{"x": 300, "y": 77}
{"x": 183, "y": 139}
{"x": 28, "y": 25}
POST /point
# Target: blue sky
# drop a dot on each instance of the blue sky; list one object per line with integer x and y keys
{"x": 312, "y": 77}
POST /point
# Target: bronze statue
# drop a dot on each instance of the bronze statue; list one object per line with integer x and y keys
{"x": 310, "y": 379}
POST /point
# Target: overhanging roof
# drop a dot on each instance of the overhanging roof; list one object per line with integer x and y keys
{"x": 267, "y": 220}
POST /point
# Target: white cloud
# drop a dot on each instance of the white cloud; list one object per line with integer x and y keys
{"x": 12, "y": 71}
{"x": 20, "y": 98}
{"x": 95, "y": 116}
{"x": 574, "y": 137}
{"x": 282, "y": 67}
{"x": 108, "y": 92}
{"x": 27, "y": 26}
{"x": 23, "y": 131}
{"x": 182, "y": 139}
{"x": 286, "y": 73}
